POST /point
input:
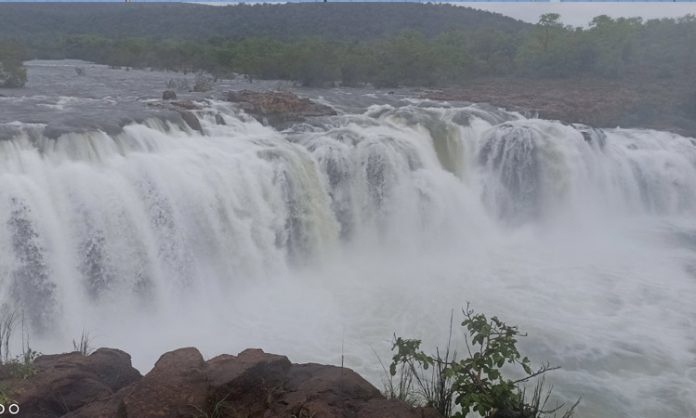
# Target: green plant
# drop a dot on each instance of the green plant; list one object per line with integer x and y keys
{"x": 478, "y": 380}
{"x": 475, "y": 383}
{"x": 401, "y": 389}
{"x": 7, "y": 396}
{"x": 411, "y": 364}
{"x": 22, "y": 366}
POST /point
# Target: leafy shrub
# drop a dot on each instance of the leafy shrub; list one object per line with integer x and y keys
{"x": 22, "y": 366}
{"x": 475, "y": 383}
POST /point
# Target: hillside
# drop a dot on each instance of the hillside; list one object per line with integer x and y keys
{"x": 622, "y": 71}
{"x": 190, "y": 21}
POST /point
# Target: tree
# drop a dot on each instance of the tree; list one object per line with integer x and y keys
{"x": 549, "y": 24}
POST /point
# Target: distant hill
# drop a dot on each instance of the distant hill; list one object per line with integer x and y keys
{"x": 30, "y": 21}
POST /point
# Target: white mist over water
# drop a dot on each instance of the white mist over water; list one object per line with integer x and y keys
{"x": 341, "y": 232}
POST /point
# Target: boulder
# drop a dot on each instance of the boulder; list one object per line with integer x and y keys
{"x": 277, "y": 108}
{"x": 252, "y": 384}
{"x": 191, "y": 120}
{"x": 66, "y": 382}
{"x": 169, "y": 95}
{"x": 319, "y": 391}
{"x": 187, "y": 104}
{"x": 184, "y": 109}
{"x": 249, "y": 383}
{"x": 176, "y": 387}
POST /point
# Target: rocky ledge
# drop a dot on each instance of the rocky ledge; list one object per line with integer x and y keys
{"x": 668, "y": 104}
{"x": 182, "y": 384}
{"x": 277, "y": 108}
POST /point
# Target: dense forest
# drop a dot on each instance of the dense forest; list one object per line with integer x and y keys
{"x": 609, "y": 48}
{"x": 336, "y": 21}
{"x": 385, "y": 45}
{"x": 322, "y": 44}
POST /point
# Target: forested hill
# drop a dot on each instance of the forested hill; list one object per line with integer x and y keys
{"x": 336, "y": 21}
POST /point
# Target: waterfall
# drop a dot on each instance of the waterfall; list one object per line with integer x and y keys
{"x": 396, "y": 215}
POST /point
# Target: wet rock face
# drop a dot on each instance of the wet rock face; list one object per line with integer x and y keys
{"x": 593, "y": 136}
{"x": 277, "y": 108}
{"x": 252, "y": 384}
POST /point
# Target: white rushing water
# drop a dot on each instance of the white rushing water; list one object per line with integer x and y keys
{"x": 331, "y": 236}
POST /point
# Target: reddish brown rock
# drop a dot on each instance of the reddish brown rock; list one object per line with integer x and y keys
{"x": 252, "y": 384}
{"x": 63, "y": 383}
{"x": 603, "y": 103}
{"x": 174, "y": 388}
{"x": 276, "y": 108}
{"x": 249, "y": 383}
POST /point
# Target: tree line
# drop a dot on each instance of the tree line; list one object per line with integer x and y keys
{"x": 607, "y": 48}
{"x": 334, "y": 21}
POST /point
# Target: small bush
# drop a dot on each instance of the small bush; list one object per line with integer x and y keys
{"x": 475, "y": 383}
{"x": 21, "y": 367}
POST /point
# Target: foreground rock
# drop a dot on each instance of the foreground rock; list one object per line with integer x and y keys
{"x": 277, "y": 108}
{"x": 252, "y": 384}
{"x": 54, "y": 385}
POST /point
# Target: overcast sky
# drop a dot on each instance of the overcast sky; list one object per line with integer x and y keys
{"x": 579, "y": 14}
{"x": 572, "y": 12}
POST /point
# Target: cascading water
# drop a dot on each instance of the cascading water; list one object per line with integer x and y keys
{"x": 346, "y": 229}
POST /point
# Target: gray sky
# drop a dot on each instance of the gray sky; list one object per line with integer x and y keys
{"x": 579, "y": 14}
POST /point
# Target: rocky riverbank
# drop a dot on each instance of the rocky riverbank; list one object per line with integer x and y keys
{"x": 182, "y": 384}
{"x": 663, "y": 104}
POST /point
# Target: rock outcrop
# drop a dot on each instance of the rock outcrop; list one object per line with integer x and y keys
{"x": 277, "y": 108}
{"x": 61, "y": 383}
{"x": 182, "y": 384}
{"x": 603, "y": 103}
{"x": 169, "y": 95}
{"x": 184, "y": 108}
